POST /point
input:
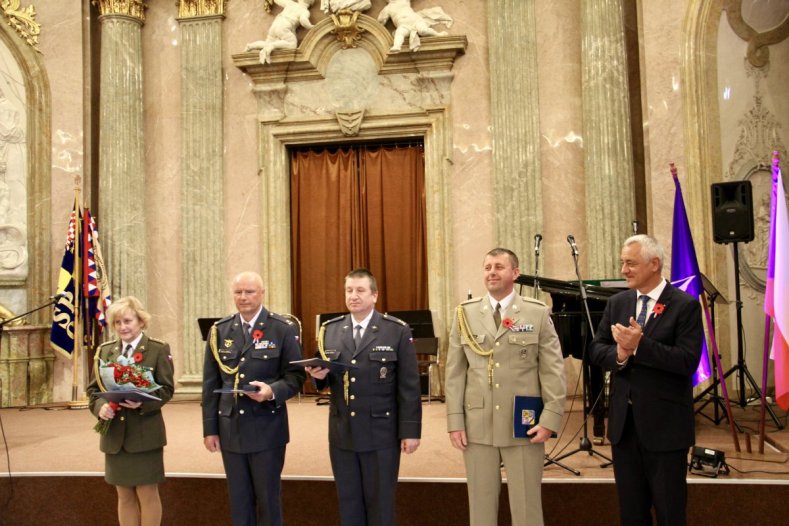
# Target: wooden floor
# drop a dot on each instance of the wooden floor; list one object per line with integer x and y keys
{"x": 56, "y": 449}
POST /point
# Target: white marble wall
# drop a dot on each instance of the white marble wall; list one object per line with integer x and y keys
{"x": 470, "y": 197}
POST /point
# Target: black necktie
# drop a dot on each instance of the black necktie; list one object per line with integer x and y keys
{"x": 642, "y": 316}
{"x": 497, "y": 315}
{"x": 357, "y": 337}
{"x": 129, "y": 350}
{"x": 246, "y": 327}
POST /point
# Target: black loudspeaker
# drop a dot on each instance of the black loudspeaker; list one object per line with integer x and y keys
{"x": 732, "y": 212}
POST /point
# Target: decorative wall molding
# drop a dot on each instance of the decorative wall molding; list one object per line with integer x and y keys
{"x": 199, "y": 8}
{"x": 23, "y": 20}
{"x": 302, "y": 93}
{"x": 132, "y": 8}
{"x": 39, "y": 173}
{"x": 758, "y": 43}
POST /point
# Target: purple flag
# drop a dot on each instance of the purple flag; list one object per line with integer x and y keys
{"x": 685, "y": 273}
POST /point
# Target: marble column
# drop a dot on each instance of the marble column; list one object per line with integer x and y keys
{"x": 202, "y": 143}
{"x": 512, "y": 33}
{"x": 608, "y": 152}
{"x": 121, "y": 149}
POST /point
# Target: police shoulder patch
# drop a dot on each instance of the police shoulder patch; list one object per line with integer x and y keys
{"x": 393, "y": 319}
{"x": 338, "y": 318}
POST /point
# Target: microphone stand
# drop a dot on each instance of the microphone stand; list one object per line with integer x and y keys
{"x": 585, "y": 443}
{"x": 3, "y": 323}
{"x": 536, "y": 285}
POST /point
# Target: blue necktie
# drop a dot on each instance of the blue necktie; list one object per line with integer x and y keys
{"x": 642, "y": 316}
{"x": 357, "y": 339}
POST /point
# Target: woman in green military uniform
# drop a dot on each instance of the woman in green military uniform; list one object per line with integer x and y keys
{"x": 135, "y": 437}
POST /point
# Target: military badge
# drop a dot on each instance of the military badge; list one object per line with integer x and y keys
{"x": 528, "y": 417}
{"x": 523, "y": 327}
{"x": 228, "y": 344}
{"x": 382, "y": 373}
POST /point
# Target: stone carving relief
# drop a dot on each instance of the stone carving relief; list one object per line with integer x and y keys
{"x": 333, "y": 6}
{"x": 282, "y": 33}
{"x": 413, "y": 24}
{"x": 759, "y": 137}
{"x": 13, "y": 170}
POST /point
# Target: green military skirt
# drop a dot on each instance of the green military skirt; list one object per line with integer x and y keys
{"x": 134, "y": 469}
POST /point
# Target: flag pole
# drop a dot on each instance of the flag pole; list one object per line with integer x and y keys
{"x": 765, "y": 364}
{"x": 719, "y": 367}
{"x": 77, "y": 401}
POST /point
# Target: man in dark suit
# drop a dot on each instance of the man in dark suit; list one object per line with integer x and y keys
{"x": 650, "y": 337}
{"x": 376, "y": 409}
{"x": 248, "y": 357}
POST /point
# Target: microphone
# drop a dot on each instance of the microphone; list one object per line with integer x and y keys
{"x": 635, "y": 226}
{"x": 571, "y": 240}
{"x": 58, "y": 296}
{"x": 537, "y": 241}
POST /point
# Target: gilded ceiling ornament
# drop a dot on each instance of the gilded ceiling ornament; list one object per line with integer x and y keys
{"x": 133, "y": 8}
{"x": 758, "y": 43}
{"x": 195, "y": 8}
{"x": 346, "y": 29}
{"x": 23, "y": 20}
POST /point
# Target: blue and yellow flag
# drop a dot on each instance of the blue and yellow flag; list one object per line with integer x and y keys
{"x": 63, "y": 317}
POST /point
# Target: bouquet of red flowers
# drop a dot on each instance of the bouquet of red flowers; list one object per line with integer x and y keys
{"x": 124, "y": 375}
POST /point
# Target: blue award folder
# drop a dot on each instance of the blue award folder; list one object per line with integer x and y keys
{"x": 525, "y": 414}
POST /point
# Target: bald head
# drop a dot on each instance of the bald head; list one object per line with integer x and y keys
{"x": 248, "y": 293}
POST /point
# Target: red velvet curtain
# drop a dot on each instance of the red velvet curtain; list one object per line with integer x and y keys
{"x": 357, "y": 207}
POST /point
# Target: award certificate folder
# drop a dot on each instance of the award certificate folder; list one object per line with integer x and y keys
{"x": 132, "y": 395}
{"x": 525, "y": 414}
{"x": 335, "y": 367}
{"x": 230, "y": 390}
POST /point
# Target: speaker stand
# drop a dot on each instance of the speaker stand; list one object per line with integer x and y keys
{"x": 741, "y": 367}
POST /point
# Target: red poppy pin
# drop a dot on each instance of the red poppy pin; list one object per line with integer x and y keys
{"x": 507, "y": 323}
{"x": 257, "y": 335}
{"x": 658, "y": 310}
{"x": 137, "y": 357}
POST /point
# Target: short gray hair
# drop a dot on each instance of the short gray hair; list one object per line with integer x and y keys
{"x": 650, "y": 247}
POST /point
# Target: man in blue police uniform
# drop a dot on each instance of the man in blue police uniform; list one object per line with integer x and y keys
{"x": 248, "y": 357}
{"x": 376, "y": 410}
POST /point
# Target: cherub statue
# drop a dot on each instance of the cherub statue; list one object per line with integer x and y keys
{"x": 282, "y": 33}
{"x": 332, "y": 6}
{"x": 413, "y": 24}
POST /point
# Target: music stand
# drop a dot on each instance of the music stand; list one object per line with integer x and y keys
{"x": 713, "y": 294}
{"x": 205, "y": 326}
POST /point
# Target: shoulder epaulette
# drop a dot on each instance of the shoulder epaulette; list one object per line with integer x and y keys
{"x": 532, "y": 300}
{"x": 338, "y": 318}
{"x": 281, "y": 318}
{"x": 157, "y": 340}
{"x": 110, "y": 342}
{"x": 472, "y": 300}
{"x": 225, "y": 319}
{"x": 393, "y": 318}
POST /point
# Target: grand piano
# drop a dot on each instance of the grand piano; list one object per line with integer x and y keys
{"x": 572, "y": 328}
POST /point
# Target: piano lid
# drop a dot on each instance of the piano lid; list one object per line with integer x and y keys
{"x": 569, "y": 288}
